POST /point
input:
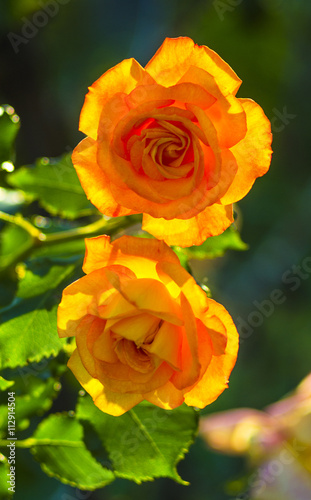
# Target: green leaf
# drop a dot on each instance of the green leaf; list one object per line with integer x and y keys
{"x": 73, "y": 248}
{"x": 7, "y": 290}
{"x": 9, "y": 126}
{"x": 5, "y": 384}
{"x": 13, "y": 241}
{"x": 215, "y": 246}
{"x": 59, "y": 447}
{"x": 55, "y": 184}
{"x": 146, "y": 442}
{"x": 33, "y": 396}
{"x": 41, "y": 276}
{"x": 28, "y": 330}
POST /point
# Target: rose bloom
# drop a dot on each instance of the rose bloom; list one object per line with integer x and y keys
{"x": 173, "y": 142}
{"x": 144, "y": 329}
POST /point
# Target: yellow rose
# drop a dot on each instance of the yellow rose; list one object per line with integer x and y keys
{"x": 172, "y": 141}
{"x": 144, "y": 329}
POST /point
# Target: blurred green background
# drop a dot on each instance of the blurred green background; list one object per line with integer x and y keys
{"x": 52, "y": 51}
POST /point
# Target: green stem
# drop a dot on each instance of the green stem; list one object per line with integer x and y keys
{"x": 31, "y": 442}
{"x": 18, "y": 220}
{"x": 39, "y": 239}
{"x": 34, "y": 234}
{"x": 101, "y": 226}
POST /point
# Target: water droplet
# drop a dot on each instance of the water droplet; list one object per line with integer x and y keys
{"x": 15, "y": 118}
{"x": 42, "y": 221}
{"x": 206, "y": 289}
{"x": 57, "y": 386}
{"x": 1, "y": 110}
{"x": 45, "y": 161}
{"x": 81, "y": 393}
{"x": 2, "y": 457}
{"x": 8, "y": 166}
{"x": 71, "y": 413}
{"x": 10, "y": 110}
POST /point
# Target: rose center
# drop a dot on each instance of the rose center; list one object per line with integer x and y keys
{"x": 133, "y": 356}
{"x": 161, "y": 149}
{"x": 132, "y": 351}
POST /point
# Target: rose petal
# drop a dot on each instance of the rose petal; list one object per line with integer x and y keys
{"x": 229, "y": 119}
{"x": 129, "y": 353}
{"x": 121, "y": 78}
{"x": 185, "y": 91}
{"x": 122, "y": 378}
{"x": 252, "y": 154}
{"x": 113, "y": 403}
{"x": 211, "y": 221}
{"x": 137, "y": 254}
{"x": 76, "y": 301}
{"x": 169, "y": 271}
{"x": 152, "y": 296}
{"x": 90, "y": 384}
{"x": 227, "y": 113}
{"x": 117, "y": 308}
{"x": 103, "y": 348}
{"x": 217, "y": 333}
{"x": 88, "y": 332}
{"x": 135, "y": 328}
{"x": 167, "y": 345}
{"x": 176, "y": 55}
{"x": 93, "y": 179}
{"x": 205, "y": 348}
{"x": 215, "y": 379}
{"x": 166, "y": 397}
{"x": 190, "y": 366}
{"x": 116, "y": 404}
